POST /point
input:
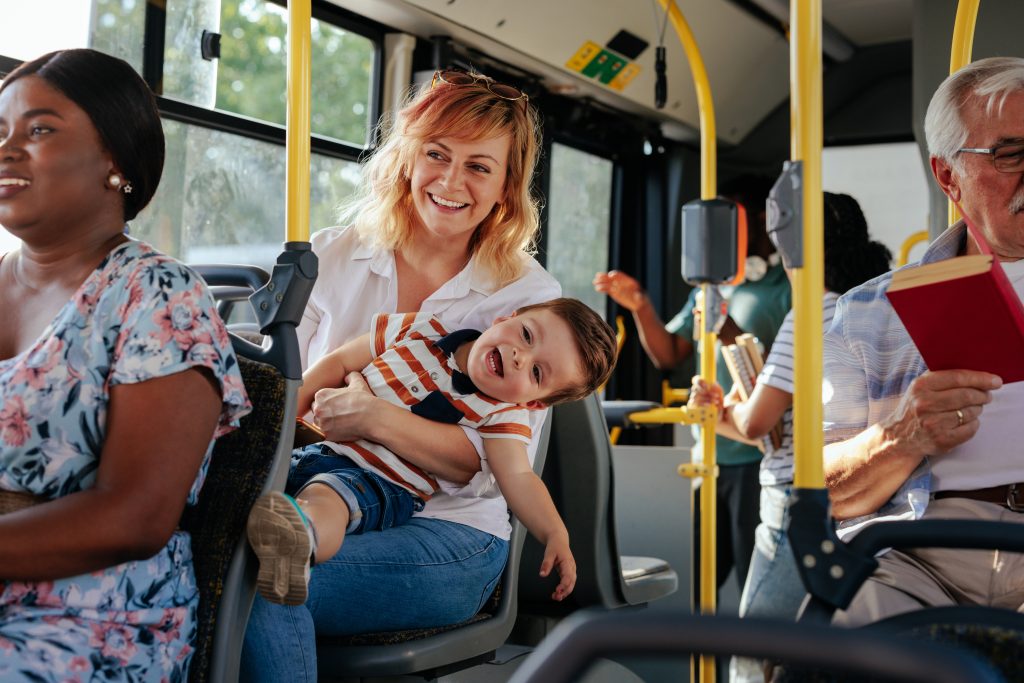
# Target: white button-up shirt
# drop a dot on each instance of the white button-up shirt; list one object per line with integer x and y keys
{"x": 357, "y": 281}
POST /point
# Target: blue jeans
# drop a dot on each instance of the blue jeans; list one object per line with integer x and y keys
{"x": 773, "y": 588}
{"x": 427, "y": 572}
{"x": 374, "y": 503}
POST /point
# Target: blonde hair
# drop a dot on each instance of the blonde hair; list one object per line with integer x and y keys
{"x": 382, "y": 209}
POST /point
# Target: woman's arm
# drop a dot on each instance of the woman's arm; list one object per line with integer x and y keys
{"x": 155, "y": 443}
{"x": 354, "y": 412}
{"x": 666, "y": 350}
{"x": 756, "y": 416}
{"x": 705, "y": 394}
{"x": 331, "y": 370}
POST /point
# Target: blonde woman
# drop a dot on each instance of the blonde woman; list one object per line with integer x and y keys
{"x": 444, "y": 222}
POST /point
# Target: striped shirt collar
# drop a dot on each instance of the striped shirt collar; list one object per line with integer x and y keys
{"x": 449, "y": 344}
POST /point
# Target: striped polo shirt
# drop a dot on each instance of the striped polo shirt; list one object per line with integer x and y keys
{"x": 414, "y": 367}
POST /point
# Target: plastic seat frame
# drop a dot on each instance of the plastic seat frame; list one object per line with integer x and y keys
{"x": 278, "y": 300}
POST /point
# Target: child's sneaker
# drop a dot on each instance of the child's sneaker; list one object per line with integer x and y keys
{"x": 284, "y": 541}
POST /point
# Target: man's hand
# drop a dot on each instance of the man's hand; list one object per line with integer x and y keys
{"x": 623, "y": 289}
{"x": 558, "y": 556}
{"x": 940, "y": 410}
{"x": 343, "y": 413}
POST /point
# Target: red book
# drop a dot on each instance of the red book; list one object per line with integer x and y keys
{"x": 963, "y": 313}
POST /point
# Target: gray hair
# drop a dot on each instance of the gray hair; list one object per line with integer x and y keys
{"x": 992, "y": 80}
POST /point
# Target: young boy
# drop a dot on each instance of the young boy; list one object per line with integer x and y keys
{"x": 543, "y": 354}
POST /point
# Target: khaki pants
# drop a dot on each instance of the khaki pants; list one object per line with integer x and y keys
{"x": 908, "y": 580}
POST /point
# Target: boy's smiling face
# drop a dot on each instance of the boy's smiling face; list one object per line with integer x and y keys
{"x": 524, "y": 358}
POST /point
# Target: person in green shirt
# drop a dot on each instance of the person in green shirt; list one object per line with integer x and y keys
{"x": 756, "y": 306}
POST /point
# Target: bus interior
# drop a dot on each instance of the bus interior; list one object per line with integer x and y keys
{"x": 617, "y": 164}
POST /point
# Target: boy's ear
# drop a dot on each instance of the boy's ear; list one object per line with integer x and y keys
{"x": 536, "y": 405}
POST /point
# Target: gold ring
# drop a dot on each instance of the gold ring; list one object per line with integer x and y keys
{"x": 959, "y": 418}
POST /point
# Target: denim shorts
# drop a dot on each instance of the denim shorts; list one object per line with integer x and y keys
{"x": 374, "y": 503}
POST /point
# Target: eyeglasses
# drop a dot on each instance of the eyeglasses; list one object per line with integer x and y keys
{"x": 499, "y": 90}
{"x": 1007, "y": 157}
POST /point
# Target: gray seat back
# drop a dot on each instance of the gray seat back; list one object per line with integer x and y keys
{"x": 247, "y": 462}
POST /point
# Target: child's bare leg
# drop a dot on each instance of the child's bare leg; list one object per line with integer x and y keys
{"x": 328, "y": 514}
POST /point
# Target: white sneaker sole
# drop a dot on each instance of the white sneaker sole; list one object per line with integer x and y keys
{"x": 279, "y": 538}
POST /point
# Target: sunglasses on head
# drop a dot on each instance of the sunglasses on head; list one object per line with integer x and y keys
{"x": 499, "y": 90}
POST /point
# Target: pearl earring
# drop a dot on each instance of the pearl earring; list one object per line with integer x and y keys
{"x": 117, "y": 183}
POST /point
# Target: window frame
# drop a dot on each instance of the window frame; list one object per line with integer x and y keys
{"x": 244, "y": 126}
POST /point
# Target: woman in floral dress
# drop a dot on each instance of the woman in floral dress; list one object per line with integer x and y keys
{"x": 116, "y": 376}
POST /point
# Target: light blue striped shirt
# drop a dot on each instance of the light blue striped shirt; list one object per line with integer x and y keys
{"x": 869, "y": 363}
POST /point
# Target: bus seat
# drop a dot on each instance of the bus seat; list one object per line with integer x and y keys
{"x": 616, "y": 413}
{"x": 246, "y": 463}
{"x": 580, "y": 478}
{"x": 589, "y": 635}
{"x": 432, "y": 652}
{"x": 241, "y": 465}
{"x": 993, "y": 633}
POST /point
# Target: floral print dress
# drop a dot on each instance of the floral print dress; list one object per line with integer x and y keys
{"x": 140, "y": 315}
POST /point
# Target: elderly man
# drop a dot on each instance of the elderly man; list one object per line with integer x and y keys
{"x": 906, "y": 443}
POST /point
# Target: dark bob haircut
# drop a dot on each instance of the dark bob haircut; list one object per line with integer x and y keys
{"x": 121, "y": 107}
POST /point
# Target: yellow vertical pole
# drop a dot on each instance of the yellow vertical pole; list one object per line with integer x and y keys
{"x": 297, "y": 136}
{"x": 808, "y": 281}
{"x": 960, "y": 54}
{"x": 708, "y": 189}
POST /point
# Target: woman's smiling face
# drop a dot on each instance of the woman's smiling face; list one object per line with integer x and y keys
{"x": 455, "y": 184}
{"x": 52, "y": 164}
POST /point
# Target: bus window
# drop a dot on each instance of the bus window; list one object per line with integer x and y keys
{"x": 251, "y": 71}
{"x": 221, "y": 197}
{"x": 18, "y": 39}
{"x": 890, "y": 183}
{"x": 579, "y": 211}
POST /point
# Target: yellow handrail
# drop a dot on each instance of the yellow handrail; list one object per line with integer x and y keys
{"x": 909, "y": 244}
{"x": 670, "y": 394}
{"x": 808, "y": 280}
{"x": 708, "y": 189}
{"x": 960, "y": 54}
{"x": 297, "y": 136}
{"x": 705, "y": 106}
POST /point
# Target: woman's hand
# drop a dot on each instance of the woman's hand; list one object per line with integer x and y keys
{"x": 623, "y": 289}
{"x": 703, "y": 393}
{"x": 345, "y": 414}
